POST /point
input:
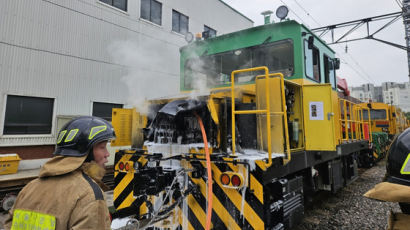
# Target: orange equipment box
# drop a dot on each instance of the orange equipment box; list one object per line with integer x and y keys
{"x": 9, "y": 163}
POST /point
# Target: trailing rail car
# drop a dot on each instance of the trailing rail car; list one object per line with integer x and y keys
{"x": 381, "y": 116}
{"x": 387, "y": 121}
{"x": 250, "y": 150}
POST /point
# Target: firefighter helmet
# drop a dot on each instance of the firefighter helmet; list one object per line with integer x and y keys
{"x": 398, "y": 161}
{"x": 79, "y": 135}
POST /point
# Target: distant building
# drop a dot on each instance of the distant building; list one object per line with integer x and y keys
{"x": 365, "y": 92}
{"x": 60, "y": 59}
{"x": 398, "y": 95}
{"x": 393, "y": 93}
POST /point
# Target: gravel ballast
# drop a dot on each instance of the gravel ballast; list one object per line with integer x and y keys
{"x": 348, "y": 208}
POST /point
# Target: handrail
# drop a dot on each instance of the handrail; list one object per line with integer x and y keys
{"x": 285, "y": 116}
{"x": 356, "y": 119}
{"x": 261, "y": 111}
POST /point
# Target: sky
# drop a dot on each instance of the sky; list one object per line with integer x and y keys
{"x": 366, "y": 61}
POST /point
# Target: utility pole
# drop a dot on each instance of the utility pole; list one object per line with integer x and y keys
{"x": 406, "y": 21}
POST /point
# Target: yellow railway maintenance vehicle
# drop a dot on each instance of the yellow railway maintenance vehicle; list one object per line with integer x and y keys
{"x": 401, "y": 121}
{"x": 252, "y": 149}
{"x": 380, "y": 114}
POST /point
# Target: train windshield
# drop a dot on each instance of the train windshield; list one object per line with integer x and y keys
{"x": 375, "y": 114}
{"x": 215, "y": 70}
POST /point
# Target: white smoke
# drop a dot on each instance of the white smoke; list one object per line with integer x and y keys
{"x": 152, "y": 71}
{"x": 146, "y": 74}
{"x": 199, "y": 80}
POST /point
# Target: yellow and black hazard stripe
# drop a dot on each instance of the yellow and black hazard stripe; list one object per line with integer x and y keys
{"x": 124, "y": 202}
{"x": 230, "y": 209}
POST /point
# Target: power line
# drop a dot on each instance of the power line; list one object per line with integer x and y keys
{"x": 399, "y": 3}
{"x": 364, "y": 77}
{"x": 308, "y": 14}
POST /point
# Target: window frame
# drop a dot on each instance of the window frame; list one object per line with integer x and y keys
{"x": 115, "y": 7}
{"x": 327, "y": 58}
{"x": 377, "y": 110}
{"x": 53, "y": 118}
{"x": 100, "y": 102}
{"x": 207, "y": 28}
{"x": 179, "y": 22}
{"x": 305, "y": 44}
{"x": 150, "y": 12}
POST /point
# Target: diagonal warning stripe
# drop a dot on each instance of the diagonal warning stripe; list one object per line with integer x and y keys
{"x": 236, "y": 198}
{"x": 218, "y": 208}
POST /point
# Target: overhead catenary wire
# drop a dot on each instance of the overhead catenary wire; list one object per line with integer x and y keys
{"x": 399, "y": 3}
{"x": 307, "y": 13}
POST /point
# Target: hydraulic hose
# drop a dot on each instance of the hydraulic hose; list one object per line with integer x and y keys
{"x": 209, "y": 173}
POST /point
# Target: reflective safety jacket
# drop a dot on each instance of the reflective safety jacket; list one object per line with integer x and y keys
{"x": 391, "y": 192}
{"x": 398, "y": 221}
{"x": 65, "y": 196}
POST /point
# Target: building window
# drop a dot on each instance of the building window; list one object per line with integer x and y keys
{"x": 120, "y": 4}
{"x": 151, "y": 10}
{"x": 104, "y": 110}
{"x": 180, "y": 22}
{"x": 28, "y": 115}
{"x": 209, "y": 32}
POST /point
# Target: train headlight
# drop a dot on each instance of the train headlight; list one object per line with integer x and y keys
{"x": 282, "y": 12}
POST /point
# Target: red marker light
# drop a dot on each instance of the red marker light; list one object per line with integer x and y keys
{"x": 225, "y": 179}
{"x": 236, "y": 181}
{"x": 127, "y": 167}
{"x": 121, "y": 166}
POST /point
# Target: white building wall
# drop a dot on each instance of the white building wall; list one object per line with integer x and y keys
{"x": 398, "y": 97}
{"x": 80, "y": 51}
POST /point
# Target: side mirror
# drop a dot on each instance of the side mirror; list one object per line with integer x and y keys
{"x": 337, "y": 63}
{"x": 310, "y": 42}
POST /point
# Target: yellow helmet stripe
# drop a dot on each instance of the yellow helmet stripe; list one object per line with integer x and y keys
{"x": 96, "y": 130}
{"x": 405, "y": 169}
{"x": 71, "y": 135}
{"x": 60, "y": 137}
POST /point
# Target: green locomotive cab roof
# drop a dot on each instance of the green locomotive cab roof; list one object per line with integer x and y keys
{"x": 282, "y": 47}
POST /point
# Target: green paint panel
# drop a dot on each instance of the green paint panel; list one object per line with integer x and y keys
{"x": 254, "y": 37}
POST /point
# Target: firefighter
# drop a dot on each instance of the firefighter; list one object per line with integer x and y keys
{"x": 68, "y": 193}
{"x": 396, "y": 185}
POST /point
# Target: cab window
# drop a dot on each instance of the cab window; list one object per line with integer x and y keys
{"x": 312, "y": 60}
{"x": 215, "y": 69}
{"x": 375, "y": 114}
